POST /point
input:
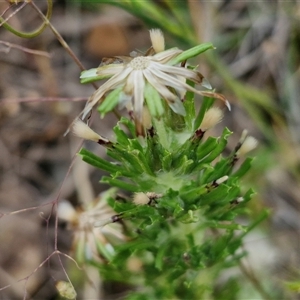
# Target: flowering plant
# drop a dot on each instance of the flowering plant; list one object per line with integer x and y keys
{"x": 180, "y": 218}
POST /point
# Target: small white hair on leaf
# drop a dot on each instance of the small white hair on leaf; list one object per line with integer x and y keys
{"x": 240, "y": 199}
{"x": 157, "y": 40}
{"x": 222, "y": 179}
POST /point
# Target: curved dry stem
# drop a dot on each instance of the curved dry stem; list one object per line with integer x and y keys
{"x": 33, "y": 33}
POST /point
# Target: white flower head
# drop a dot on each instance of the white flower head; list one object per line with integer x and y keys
{"x": 150, "y": 78}
{"x": 88, "y": 239}
{"x": 140, "y": 199}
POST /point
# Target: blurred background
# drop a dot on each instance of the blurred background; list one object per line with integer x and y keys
{"x": 256, "y": 65}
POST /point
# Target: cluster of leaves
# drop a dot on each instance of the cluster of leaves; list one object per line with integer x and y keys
{"x": 191, "y": 225}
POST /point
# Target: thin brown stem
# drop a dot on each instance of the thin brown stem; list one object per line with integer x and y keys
{"x": 42, "y": 99}
{"x": 61, "y": 40}
{"x": 24, "y": 49}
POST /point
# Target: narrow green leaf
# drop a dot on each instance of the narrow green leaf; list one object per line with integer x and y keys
{"x": 183, "y": 164}
{"x": 110, "y": 101}
{"x": 97, "y": 161}
{"x": 154, "y": 101}
{"x": 120, "y": 184}
{"x": 167, "y": 160}
{"x": 244, "y": 168}
{"x": 219, "y": 148}
{"x": 215, "y": 195}
{"x": 122, "y": 137}
{"x": 206, "y": 147}
{"x": 91, "y": 75}
{"x": 189, "y": 106}
{"x": 190, "y": 194}
{"x": 129, "y": 124}
{"x": 191, "y": 53}
{"x": 108, "y": 253}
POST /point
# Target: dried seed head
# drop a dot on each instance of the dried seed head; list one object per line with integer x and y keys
{"x": 157, "y": 40}
{"x": 139, "y": 63}
{"x": 82, "y": 130}
{"x": 212, "y": 117}
{"x": 141, "y": 199}
{"x": 248, "y": 145}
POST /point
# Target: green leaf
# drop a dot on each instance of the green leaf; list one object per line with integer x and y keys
{"x": 244, "y": 168}
{"x": 219, "y": 148}
{"x": 91, "y": 75}
{"x": 108, "y": 253}
{"x": 189, "y": 194}
{"x": 214, "y": 196}
{"x": 98, "y": 162}
{"x": 129, "y": 124}
{"x": 191, "y": 53}
{"x": 110, "y": 101}
{"x": 154, "y": 101}
{"x": 167, "y": 160}
{"x": 206, "y": 147}
{"x": 189, "y": 106}
{"x": 120, "y": 184}
{"x": 122, "y": 137}
{"x": 183, "y": 164}
{"x": 188, "y": 217}
{"x": 222, "y": 168}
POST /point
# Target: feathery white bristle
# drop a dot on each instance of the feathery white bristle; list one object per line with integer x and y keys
{"x": 140, "y": 199}
{"x": 82, "y": 130}
{"x": 243, "y": 136}
{"x": 212, "y": 117}
{"x": 248, "y": 145}
{"x": 157, "y": 40}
